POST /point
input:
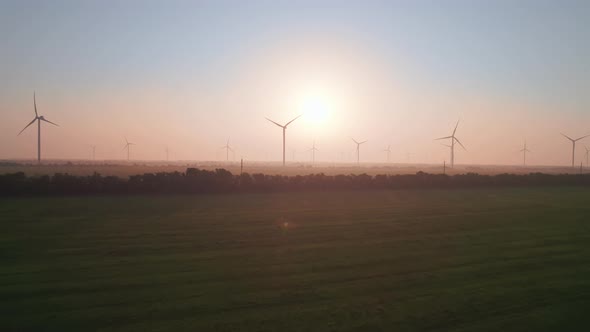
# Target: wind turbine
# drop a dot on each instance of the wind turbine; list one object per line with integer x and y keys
{"x": 93, "y": 147}
{"x": 227, "y": 150}
{"x": 358, "y": 150}
{"x": 167, "y": 153}
{"x": 574, "y": 145}
{"x": 313, "y": 150}
{"x": 284, "y": 130}
{"x": 128, "y": 147}
{"x": 587, "y": 153}
{"x": 453, "y": 140}
{"x": 524, "y": 151}
{"x": 388, "y": 150}
{"x": 38, "y": 119}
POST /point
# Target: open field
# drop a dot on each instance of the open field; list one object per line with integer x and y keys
{"x": 461, "y": 260}
{"x": 123, "y": 169}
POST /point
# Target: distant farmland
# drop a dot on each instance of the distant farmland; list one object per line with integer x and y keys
{"x": 419, "y": 260}
{"x": 122, "y": 169}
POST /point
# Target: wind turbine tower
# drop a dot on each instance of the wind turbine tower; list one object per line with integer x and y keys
{"x": 227, "y": 150}
{"x": 358, "y": 150}
{"x": 284, "y": 131}
{"x": 313, "y": 150}
{"x": 524, "y": 151}
{"x": 128, "y": 147}
{"x": 37, "y": 118}
{"x": 453, "y": 139}
{"x": 574, "y": 146}
{"x": 388, "y": 150}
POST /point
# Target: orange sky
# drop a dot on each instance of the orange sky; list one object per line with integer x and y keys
{"x": 370, "y": 91}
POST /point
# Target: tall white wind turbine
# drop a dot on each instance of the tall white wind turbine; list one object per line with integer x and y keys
{"x": 524, "y": 151}
{"x": 358, "y": 150}
{"x": 313, "y": 150}
{"x": 37, "y": 118}
{"x": 128, "y": 147}
{"x": 453, "y": 139}
{"x": 284, "y": 130}
{"x": 574, "y": 145}
{"x": 388, "y": 150}
{"x": 227, "y": 150}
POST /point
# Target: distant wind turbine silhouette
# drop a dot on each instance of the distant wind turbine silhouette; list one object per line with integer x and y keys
{"x": 313, "y": 150}
{"x": 587, "y": 154}
{"x": 453, "y": 140}
{"x": 388, "y": 150}
{"x": 227, "y": 150}
{"x": 38, "y": 119}
{"x": 284, "y": 130}
{"x": 524, "y": 151}
{"x": 573, "y": 145}
{"x": 167, "y": 153}
{"x": 128, "y": 147}
{"x": 358, "y": 150}
{"x": 93, "y": 147}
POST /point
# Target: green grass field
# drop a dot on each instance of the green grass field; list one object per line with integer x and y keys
{"x": 464, "y": 260}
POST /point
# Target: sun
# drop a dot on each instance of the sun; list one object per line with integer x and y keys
{"x": 316, "y": 108}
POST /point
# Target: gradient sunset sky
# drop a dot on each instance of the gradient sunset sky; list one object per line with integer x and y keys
{"x": 191, "y": 74}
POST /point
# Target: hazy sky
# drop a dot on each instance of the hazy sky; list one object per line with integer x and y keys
{"x": 191, "y": 74}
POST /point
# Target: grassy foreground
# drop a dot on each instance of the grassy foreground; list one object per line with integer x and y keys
{"x": 463, "y": 260}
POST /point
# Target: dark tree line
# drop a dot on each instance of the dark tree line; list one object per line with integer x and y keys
{"x": 196, "y": 181}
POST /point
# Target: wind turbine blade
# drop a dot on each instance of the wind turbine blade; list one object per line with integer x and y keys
{"x": 566, "y": 136}
{"x": 456, "y": 139}
{"x": 446, "y": 137}
{"x": 126, "y": 141}
{"x": 55, "y": 124}
{"x": 582, "y": 137}
{"x": 35, "y": 104}
{"x": 274, "y": 122}
{"x": 297, "y": 117}
{"x": 354, "y": 140}
{"x": 30, "y": 123}
{"x": 457, "y": 125}
{"x": 363, "y": 142}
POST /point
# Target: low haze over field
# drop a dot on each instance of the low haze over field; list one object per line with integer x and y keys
{"x": 190, "y": 75}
